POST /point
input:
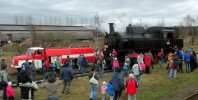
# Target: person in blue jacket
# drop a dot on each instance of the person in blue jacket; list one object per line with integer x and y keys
{"x": 67, "y": 75}
{"x": 110, "y": 90}
{"x": 187, "y": 57}
{"x": 117, "y": 83}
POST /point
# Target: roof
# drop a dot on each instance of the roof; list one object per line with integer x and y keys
{"x": 12, "y": 27}
{"x": 36, "y": 48}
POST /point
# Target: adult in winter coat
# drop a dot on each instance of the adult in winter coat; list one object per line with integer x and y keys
{"x": 51, "y": 75}
{"x": 67, "y": 75}
{"x": 94, "y": 87}
{"x": 59, "y": 66}
{"x": 117, "y": 83}
{"x": 147, "y": 62}
{"x": 52, "y": 89}
{"x": 46, "y": 65}
{"x": 181, "y": 56}
{"x": 83, "y": 65}
{"x": 193, "y": 59}
{"x": 25, "y": 84}
{"x": 33, "y": 71}
{"x": 187, "y": 57}
{"x": 131, "y": 86}
{"x": 6, "y": 78}
{"x": 27, "y": 67}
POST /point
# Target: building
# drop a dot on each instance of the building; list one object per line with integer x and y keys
{"x": 10, "y": 32}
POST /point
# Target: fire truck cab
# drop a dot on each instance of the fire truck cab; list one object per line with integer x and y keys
{"x": 38, "y": 54}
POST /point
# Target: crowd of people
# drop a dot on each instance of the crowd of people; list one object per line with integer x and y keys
{"x": 135, "y": 64}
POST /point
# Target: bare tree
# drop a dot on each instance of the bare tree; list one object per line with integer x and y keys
{"x": 189, "y": 21}
{"x": 59, "y": 20}
{"x": 97, "y": 25}
{"x": 16, "y": 18}
{"x": 29, "y": 20}
{"x": 196, "y": 25}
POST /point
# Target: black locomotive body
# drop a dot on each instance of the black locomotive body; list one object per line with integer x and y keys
{"x": 140, "y": 40}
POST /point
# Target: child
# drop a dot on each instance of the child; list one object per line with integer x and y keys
{"x": 143, "y": 66}
{"x": 104, "y": 90}
{"x": 131, "y": 86}
{"x": 110, "y": 90}
{"x": 9, "y": 91}
{"x": 115, "y": 64}
{"x": 126, "y": 69}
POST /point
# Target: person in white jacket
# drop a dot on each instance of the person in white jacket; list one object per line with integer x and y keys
{"x": 140, "y": 58}
{"x": 136, "y": 71}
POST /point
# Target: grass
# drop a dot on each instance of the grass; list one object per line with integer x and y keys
{"x": 153, "y": 87}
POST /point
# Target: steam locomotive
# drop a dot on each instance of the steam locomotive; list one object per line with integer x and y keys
{"x": 140, "y": 40}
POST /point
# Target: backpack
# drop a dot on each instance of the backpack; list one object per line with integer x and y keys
{"x": 51, "y": 77}
{"x": 175, "y": 62}
{"x": 125, "y": 68}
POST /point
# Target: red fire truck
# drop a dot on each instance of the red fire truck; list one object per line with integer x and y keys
{"x": 38, "y": 54}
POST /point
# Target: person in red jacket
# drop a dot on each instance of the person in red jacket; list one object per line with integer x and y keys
{"x": 131, "y": 86}
{"x": 46, "y": 65}
{"x": 9, "y": 91}
{"x": 147, "y": 62}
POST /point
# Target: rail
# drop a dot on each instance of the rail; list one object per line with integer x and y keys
{"x": 193, "y": 96}
{"x": 76, "y": 75}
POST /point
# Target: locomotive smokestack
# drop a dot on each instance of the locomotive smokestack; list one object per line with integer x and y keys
{"x": 111, "y": 28}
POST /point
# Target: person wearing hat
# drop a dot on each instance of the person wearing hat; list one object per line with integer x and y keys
{"x": 51, "y": 87}
{"x": 131, "y": 86}
{"x": 9, "y": 91}
{"x": 50, "y": 76}
{"x": 117, "y": 83}
{"x": 115, "y": 64}
{"x": 25, "y": 83}
{"x": 126, "y": 69}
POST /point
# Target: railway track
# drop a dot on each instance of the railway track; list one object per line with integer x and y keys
{"x": 193, "y": 96}
{"x": 76, "y": 75}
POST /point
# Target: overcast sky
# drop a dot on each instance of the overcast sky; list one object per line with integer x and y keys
{"x": 131, "y": 11}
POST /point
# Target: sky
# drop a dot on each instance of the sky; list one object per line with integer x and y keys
{"x": 151, "y": 12}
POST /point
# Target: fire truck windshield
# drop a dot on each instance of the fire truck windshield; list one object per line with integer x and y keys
{"x": 30, "y": 52}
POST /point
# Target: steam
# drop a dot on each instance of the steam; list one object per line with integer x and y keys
{"x": 120, "y": 23}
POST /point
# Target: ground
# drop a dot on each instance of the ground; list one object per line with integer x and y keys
{"x": 155, "y": 86}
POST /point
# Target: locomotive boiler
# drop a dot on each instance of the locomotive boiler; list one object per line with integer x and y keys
{"x": 140, "y": 40}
